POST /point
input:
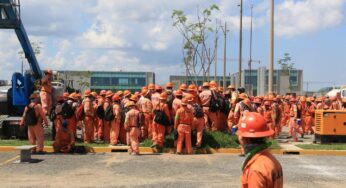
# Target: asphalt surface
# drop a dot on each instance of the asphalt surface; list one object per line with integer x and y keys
{"x": 166, "y": 170}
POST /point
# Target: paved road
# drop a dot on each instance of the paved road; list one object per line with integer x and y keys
{"x": 166, "y": 170}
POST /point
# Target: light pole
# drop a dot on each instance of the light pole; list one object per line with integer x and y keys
{"x": 240, "y": 42}
{"x": 271, "y": 49}
{"x": 225, "y": 30}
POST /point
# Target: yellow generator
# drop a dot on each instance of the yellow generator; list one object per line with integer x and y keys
{"x": 330, "y": 126}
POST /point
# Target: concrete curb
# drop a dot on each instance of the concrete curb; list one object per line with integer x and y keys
{"x": 199, "y": 151}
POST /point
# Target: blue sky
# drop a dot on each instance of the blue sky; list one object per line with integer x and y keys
{"x": 134, "y": 35}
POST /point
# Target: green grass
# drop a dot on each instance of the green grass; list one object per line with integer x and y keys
{"x": 210, "y": 140}
{"x": 335, "y": 146}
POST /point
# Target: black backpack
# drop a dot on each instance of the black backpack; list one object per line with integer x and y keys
{"x": 226, "y": 106}
{"x": 123, "y": 112}
{"x": 198, "y": 111}
{"x": 30, "y": 116}
{"x": 67, "y": 110}
{"x": 100, "y": 112}
{"x": 109, "y": 116}
{"x": 214, "y": 103}
{"x": 161, "y": 118}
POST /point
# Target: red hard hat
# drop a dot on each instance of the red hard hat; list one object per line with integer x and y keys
{"x": 163, "y": 96}
{"x": 253, "y": 125}
{"x": 178, "y": 93}
{"x": 151, "y": 86}
{"x": 115, "y": 97}
{"x": 183, "y": 87}
{"x": 158, "y": 88}
{"x": 169, "y": 85}
{"x": 192, "y": 87}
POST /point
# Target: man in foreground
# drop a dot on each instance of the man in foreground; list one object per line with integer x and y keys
{"x": 260, "y": 168}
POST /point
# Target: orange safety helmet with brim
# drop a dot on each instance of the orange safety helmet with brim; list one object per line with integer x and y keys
{"x": 253, "y": 125}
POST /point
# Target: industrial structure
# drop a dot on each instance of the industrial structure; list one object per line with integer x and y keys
{"x": 107, "y": 80}
{"x": 256, "y": 81}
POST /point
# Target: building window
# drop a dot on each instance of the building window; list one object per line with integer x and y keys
{"x": 294, "y": 80}
{"x": 123, "y": 81}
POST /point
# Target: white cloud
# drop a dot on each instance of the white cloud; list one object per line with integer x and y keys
{"x": 299, "y": 17}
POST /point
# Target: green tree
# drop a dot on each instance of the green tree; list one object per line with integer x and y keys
{"x": 286, "y": 67}
{"x": 198, "y": 54}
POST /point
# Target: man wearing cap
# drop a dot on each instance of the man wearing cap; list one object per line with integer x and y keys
{"x": 35, "y": 131}
{"x": 46, "y": 91}
{"x": 183, "y": 123}
{"x": 260, "y": 168}
{"x": 183, "y": 88}
{"x": 132, "y": 126}
{"x": 89, "y": 116}
{"x": 146, "y": 108}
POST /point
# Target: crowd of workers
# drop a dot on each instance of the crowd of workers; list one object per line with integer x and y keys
{"x": 152, "y": 113}
{"x": 127, "y": 118}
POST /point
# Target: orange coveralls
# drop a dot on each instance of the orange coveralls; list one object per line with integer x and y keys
{"x": 64, "y": 141}
{"x": 115, "y": 124}
{"x": 145, "y": 106}
{"x": 88, "y": 120}
{"x": 132, "y": 125}
{"x": 183, "y": 123}
{"x": 36, "y": 132}
{"x": 262, "y": 171}
{"x": 46, "y": 94}
{"x": 158, "y": 129}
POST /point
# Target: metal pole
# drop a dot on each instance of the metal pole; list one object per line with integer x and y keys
{"x": 216, "y": 43}
{"x": 250, "y": 60}
{"x": 240, "y": 42}
{"x": 224, "y": 57}
{"x": 271, "y": 52}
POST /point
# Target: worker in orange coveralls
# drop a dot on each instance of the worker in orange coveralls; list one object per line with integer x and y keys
{"x": 115, "y": 124}
{"x": 182, "y": 124}
{"x": 107, "y": 122}
{"x": 309, "y": 116}
{"x": 260, "y": 168}
{"x": 205, "y": 97}
{"x": 158, "y": 128}
{"x": 33, "y": 117}
{"x": 89, "y": 115}
{"x": 64, "y": 141}
{"x": 46, "y": 91}
{"x": 132, "y": 125}
{"x": 146, "y": 108}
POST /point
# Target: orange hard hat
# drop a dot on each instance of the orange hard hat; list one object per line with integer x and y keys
{"x": 127, "y": 93}
{"x": 279, "y": 97}
{"x": 109, "y": 93}
{"x": 130, "y": 103}
{"x": 213, "y": 83}
{"x": 333, "y": 98}
{"x": 78, "y": 95}
{"x": 65, "y": 95}
{"x": 247, "y": 101}
{"x": 103, "y": 92}
{"x": 253, "y": 125}
{"x": 220, "y": 89}
{"x": 257, "y": 101}
{"x": 183, "y": 87}
{"x": 120, "y": 93}
{"x": 319, "y": 99}
{"x": 94, "y": 94}
{"x": 308, "y": 99}
{"x": 134, "y": 98}
{"x": 115, "y": 97}
{"x": 231, "y": 86}
{"x": 178, "y": 93}
{"x": 137, "y": 93}
{"x": 206, "y": 84}
{"x": 302, "y": 98}
{"x": 184, "y": 101}
{"x": 267, "y": 103}
{"x": 293, "y": 99}
{"x": 163, "y": 96}
{"x": 192, "y": 87}
{"x": 343, "y": 100}
{"x": 189, "y": 97}
{"x": 33, "y": 96}
{"x": 60, "y": 98}
{"x": 158, "y": 88}
{"x": 151, "y": 86}
{"x": 87, "y": 93}
{"x": 73, "y": 96}
{"x": 169, "y": 85}
{"x": 242, "y": 96}
{"x": 145, "y": 92}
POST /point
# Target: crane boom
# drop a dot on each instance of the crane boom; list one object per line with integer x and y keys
{"x": 10, "y": 19}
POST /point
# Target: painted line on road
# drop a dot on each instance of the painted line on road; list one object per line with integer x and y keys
{"x": 9, "y": 160}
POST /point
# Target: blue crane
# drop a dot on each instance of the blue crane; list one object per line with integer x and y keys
{"x": 22, "y": 85}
